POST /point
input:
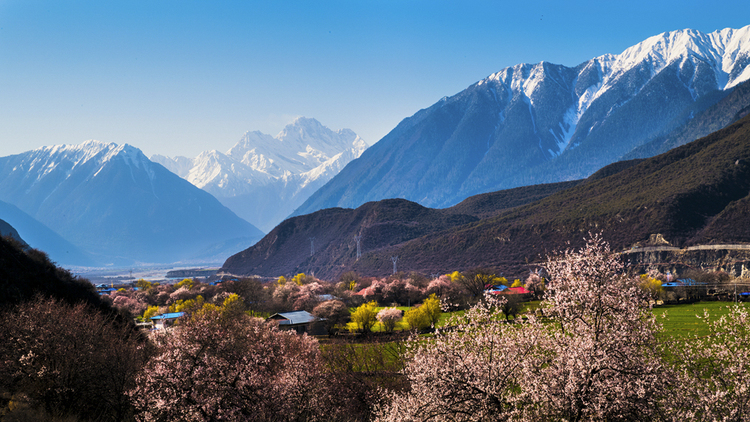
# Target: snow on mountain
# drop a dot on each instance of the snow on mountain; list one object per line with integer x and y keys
{"x": 113, "y": 202}
{"x": 540, "y": 123}
{"x": 264, "y": 178}
{"x": 704, "y": 63}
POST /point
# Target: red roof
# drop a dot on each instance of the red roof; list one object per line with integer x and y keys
{"x": 517, "y": 290}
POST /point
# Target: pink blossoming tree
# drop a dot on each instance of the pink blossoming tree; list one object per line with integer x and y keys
{"x": 218, "y": 368}
{"x": 594, "y": 358}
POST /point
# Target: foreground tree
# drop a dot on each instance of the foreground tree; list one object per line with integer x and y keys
{"x": 599, "y": 360}
{"x": 217, "y": 367}
{"x": 594, "y": 357}
{"x": 470, "y": 373}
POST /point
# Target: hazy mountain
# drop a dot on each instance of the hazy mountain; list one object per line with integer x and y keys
{"x": 113, "y": 202}
{"x": 45, "y": 239}
{"x": 542, "y": 123}
{"x": 6, "y": 230}
{"x": 698, "y": 193}
{"x": 264, "y": 178}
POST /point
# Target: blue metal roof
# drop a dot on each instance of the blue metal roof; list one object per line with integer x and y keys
{"x": 171, "y": 315}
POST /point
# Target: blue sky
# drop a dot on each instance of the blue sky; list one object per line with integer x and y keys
{"x": 177, "y": 77}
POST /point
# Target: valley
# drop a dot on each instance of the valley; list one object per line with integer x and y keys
{"x": 536, "y": 246}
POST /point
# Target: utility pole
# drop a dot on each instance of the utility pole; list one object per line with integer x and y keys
{"x": 357, "y": 238}
{"x": 312, "y": 246}
{"x": 394, "y": 259}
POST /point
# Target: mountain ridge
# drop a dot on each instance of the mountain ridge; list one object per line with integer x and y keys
{"x": 698, "y": 193}
{"x": 113, "y": 202}
{"x": 541, "y": 123}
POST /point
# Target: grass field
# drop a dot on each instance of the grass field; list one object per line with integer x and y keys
{"x": 681, "y": 321}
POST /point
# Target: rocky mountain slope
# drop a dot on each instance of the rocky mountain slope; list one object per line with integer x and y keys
{"x": 698, "y": 193}
{"x": 115, "y": 204}
{"x": 541, "y": 123}
{"x": 264, "y": 178}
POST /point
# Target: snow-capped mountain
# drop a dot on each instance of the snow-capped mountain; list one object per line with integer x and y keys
{"x": 539, "y": 123}
{"x": 264, "y": 178}
{"x": 113, "y": 202}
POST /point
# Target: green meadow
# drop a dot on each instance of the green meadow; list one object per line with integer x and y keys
{"x": 686, "y": 320}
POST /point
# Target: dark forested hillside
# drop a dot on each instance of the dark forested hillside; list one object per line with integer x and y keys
{"x": 288, "y": 248}
{"x": 26, "y": 274}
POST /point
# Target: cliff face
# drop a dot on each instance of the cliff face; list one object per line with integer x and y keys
{"x": 734, "y": 259}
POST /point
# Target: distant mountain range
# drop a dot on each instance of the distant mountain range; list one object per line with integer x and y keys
{"x": 118, "y": 207}
{"x": 698, "y": 193}
{"x": 263, "y": 179}
{"x": 41, "y": 237}
{"x": 542, "y": 123}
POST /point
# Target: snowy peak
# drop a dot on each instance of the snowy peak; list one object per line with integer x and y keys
{"x": 112, "y": 201}
{"x": 280, "y": 171}
{"x": 92, "y": 155}
{"x": 309, "y": 134}
{"x": 301, "y": 146}
{"x": 698, "y": 62}
{"x": 722, "y": 51}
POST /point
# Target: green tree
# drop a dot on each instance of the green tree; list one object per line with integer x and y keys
{"x": 143, "y": 284}
{"x": 187, "y": 282}
{"x": 417, "y": 318}
{"x": 189, "y": 305}
{"x": 431, "y": 308}
{"x": 233, "y": 305}
{"x": 301, "y": 279}
{"x": 365, "y": 316}
{"x": 652, "y": 286}
{"x": 475, "y": 281}
{"x": 151, "y": 311}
